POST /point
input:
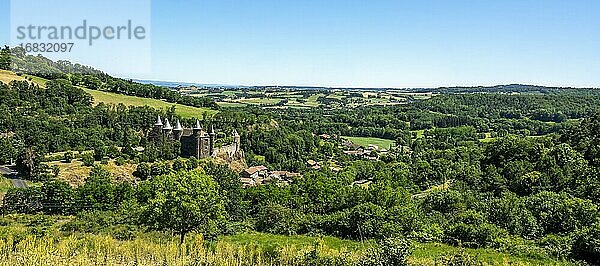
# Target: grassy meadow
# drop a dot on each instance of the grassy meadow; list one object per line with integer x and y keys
{"x": 43, "y": 240}
{"x": 363, "y": 141}
{"x": 182, "y": 110}
{"x": 241, "y": 249}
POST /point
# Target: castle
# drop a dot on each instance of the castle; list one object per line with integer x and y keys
{"x": 195, "y": 142}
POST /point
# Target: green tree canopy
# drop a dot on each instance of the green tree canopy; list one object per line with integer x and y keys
{"x": 183, "y": 202}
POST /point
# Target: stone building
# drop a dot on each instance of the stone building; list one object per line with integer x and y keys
{"x": 195, "y": 142}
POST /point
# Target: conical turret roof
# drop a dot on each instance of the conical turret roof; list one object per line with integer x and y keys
{"x": 178, "y": 126}
{"x": 197, "y": 126}
{"x": 167, "y": 124}
{"x": 235, "y": 133}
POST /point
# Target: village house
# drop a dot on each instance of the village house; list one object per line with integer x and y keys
{"x": 325, "y": 136}
{"x": 259, "y": 175}
{"x": 255, "y": 172}
{"x": 313, "y": 164}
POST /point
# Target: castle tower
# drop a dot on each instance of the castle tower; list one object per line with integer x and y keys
{"x": 197, "y": 130}
{"x": 211, "y": 142}
{"x": 167, "y": 129}
{"x": 158, "y": 125}
{"x": 237, "y": 141}
{"x": 178, "y": 130}
{"x": 156, "y": 132}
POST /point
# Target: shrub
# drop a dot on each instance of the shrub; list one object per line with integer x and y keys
{"x": 509, "y": 212}
{"x": 142, "y": 171}
{"x": 316, "y": 258}
{"x": 120, "y": 161}
{"x": 366, "y": 220}
{"x": 180, "y": 165}
{"x": 432, "y": 232}
{"x": 68, "y": 157}
{"x": 458, "y": 258}
{"x": 557, "y": 246}
{"x": 278, "y": 219}
{"x": 88, "y": 159}
{"x": 391, "y": 251}
{"x": 99, "y": 153}
{"x": 444, "y": 201}
{"x": 587, "y": 244}
{"x": 23, "y": 200}
{"x": 520, "y": 247}
{"x": 113, "y": 151}
{"x": 472, "y": 230}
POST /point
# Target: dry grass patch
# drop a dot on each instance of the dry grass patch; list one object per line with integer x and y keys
{"x": 8, "y": 76}
{"x": 75, "y": 173}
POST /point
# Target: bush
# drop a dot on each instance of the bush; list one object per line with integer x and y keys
{"x": 88, "y": 159}
{"x": 557, "y": 246}
{"x": 99, "y": 153}
{"x": 102, "y": 222}
{"x": 366, "y": 220}
{"x": 120, "y": 161}
{"x": 472, "y": 230}
{"x": 458, "y": 258}
{"x": 68, "y": 157}
{"x": 429, "y": 233}
{"x": 445, "y": 201}
{"x": 278, "y": 219}
{"x": 521, "y": 247}
{"x": 391, "y": 251}
{"x": 90, "y": 222}
{"x": 180, "y": 165}
{"x": 587, "y": 244}
{"x": 142, "y": 171}
{"x": 23, "y": 200}
{"x": 113, "y": 152}
{"x": 315, "y": 258}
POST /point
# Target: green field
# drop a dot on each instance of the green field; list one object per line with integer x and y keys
{"x": 269, "y": 241}
{"x": 230, "y": 104}
{"x": 431, "y": 253}
{"x": 37, "y": 80}
{"x": 423, "y": 253}
{"x": 363, "y": 141}
{"x": 114, "y": 98}
{"x": 258, "y": 101}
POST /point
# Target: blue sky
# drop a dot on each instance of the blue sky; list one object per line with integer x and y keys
{"x": 375, "y": 43}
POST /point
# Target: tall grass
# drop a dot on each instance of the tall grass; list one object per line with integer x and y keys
{"x": 105, "y": 250}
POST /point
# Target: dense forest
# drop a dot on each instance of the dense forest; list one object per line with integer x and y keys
{"x": 531, "y": 189}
